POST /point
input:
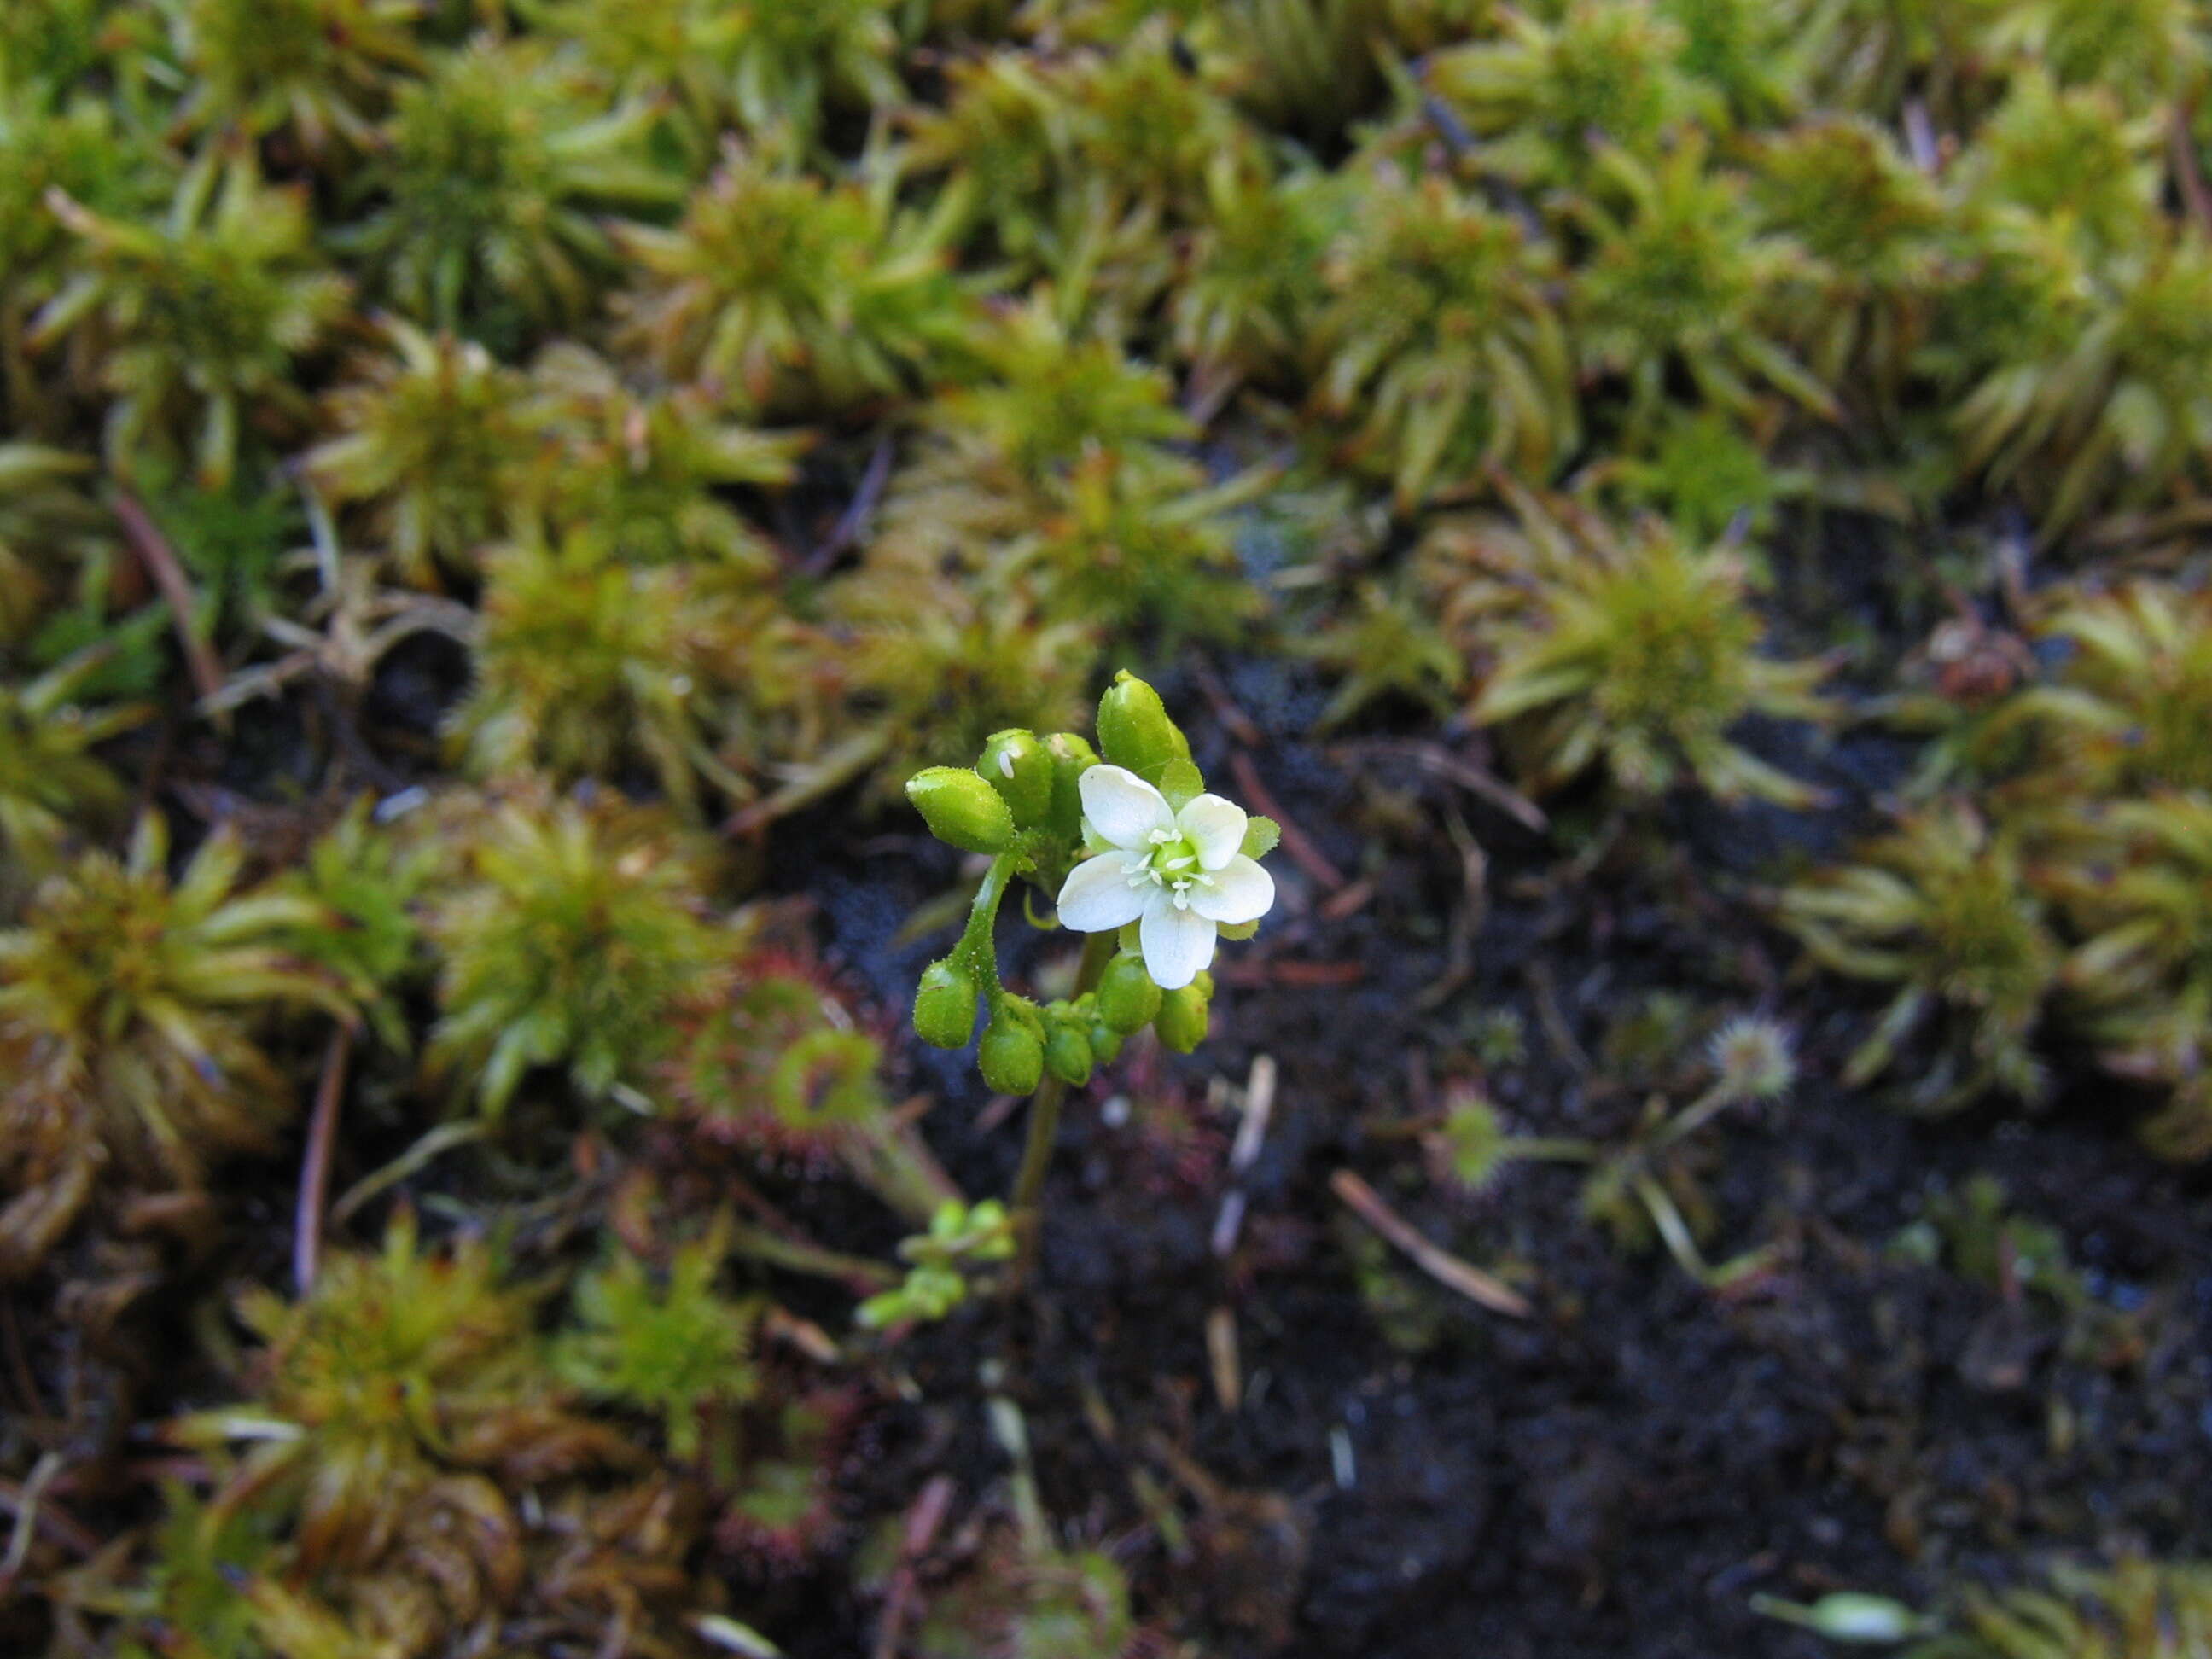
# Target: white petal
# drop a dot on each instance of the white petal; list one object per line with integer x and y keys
{"x": 1176, "y": 943}
{"x": 1239, "y": 891}
{"x": 1215, "y": 827}
{"x": 1122, "y": 807}
{"x": 1096, "y": 897}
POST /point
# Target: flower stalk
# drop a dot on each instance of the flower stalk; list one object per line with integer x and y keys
{"x": 1135, "y": 853}
{"x": 1044, "y": 1125}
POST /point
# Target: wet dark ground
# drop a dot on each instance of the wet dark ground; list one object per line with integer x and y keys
{"x": 1407, "y": 1475}
{"x": 1620, "y": 1473}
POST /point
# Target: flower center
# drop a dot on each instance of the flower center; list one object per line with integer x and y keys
{"x": 1172, "y": 864}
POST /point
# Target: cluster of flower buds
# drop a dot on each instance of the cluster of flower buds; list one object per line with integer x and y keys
{"x": 1130, "y": 845}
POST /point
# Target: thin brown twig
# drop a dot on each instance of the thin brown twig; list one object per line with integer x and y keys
{"x": 832, "y": 772}
{"x": 852, "y": 523}
{"x": 996, "y": 1110}
{"x": 1224, "y": 1358}
{"x": 1297, "y": 846}
{"x": 1440, "y": 1264}
{"x": 64, "y": 1528}
{"x": 1259, "y": 1109}
{"x": 1307, "y": 975}
{"x": 1466, "y": 919}
{"x": 1440, "y": 762}
{"x": 26, "y": 1500}
{"x": 922, "y": 1522}
{"x": 2186, "y": 169}
{"x": 315, "y": 1161}
{"x": 54, "y": 1520}
{"x": 802, "y": 1334}
{"x": 160, "y": 559}
{"x": 19, "y": 1361}
{"x": 1351, "y": 901}
{"x": 1552, "y": 1017}
{"x": 1226, "y": 710}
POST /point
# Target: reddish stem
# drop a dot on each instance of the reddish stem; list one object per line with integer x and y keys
{"x": 160, "y": 559}
{"x": 1297, "y": 844}
{"x": 315, "y": 1162}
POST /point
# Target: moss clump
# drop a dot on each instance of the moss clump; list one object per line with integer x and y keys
{"x": 389, "y": 1414}
{"x": 51, "y": 780}
{"x": 319, "y": 68}
{"x": 198, "y": 322}
{"x": 1633, "y": 651}
{"x": 1870, "y": 226}
{"x": 494, "y": 178}
{"x": 2138, "y": 1610}
{"x": 433, "y": 439}
{"x": 652, "y": 471}
{"x": 2140, "y": 686}
{"x": 1552, "y": 95}
{"x": 129, "y": 1012}
{"x": 589, "y": 665}
{"x": 2072, "y": 156}
{"x": 570, "y": 944}
{"x": 674, "y": 1347}
{"x": 1678, "y": 281}
{"x": 403, "y": 1370}
{"x": 800, "y": 295}
{"x": 1942, "y": 911}
{"x": 1441, "y": 327}
{"x": 2109, "y": 412}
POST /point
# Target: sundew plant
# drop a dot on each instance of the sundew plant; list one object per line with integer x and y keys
{"x": 1139, "y": 857}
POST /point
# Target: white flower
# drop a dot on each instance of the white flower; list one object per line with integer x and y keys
{"x": 1179, "y": 875}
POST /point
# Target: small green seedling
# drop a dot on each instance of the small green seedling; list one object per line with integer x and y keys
{"x": 1848, "y": 1616}
{"x": 960, "y": 1237}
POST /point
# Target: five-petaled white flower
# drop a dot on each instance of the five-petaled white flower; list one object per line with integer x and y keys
{"x": 1180, "y": 876}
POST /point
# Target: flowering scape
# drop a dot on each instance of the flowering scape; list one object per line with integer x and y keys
{"x": 1136, "y": 853}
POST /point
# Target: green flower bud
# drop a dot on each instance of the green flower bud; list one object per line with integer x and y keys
{"x": 991, "y": 1231}
{"x": 947, "y": 1222}
{"x": 1845, "y": 1616}
{"x": 945, "y": 1005}
{"x": 883, "y": 1309}
{"x": 1135, "y": 731}
{"x": 1011, "y": 1055}
{"x": 937, "y": 1290}
{"x": 1182, "y": 1018}
{"x": 1018, "y": 767}
{"x": 1128, "y": 998}
{"x": 1067, "y": 1053}
{"x": 1848, "y": 1616}
{"x": 1072, "y": 756}
{"x": 960, "y": 809}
